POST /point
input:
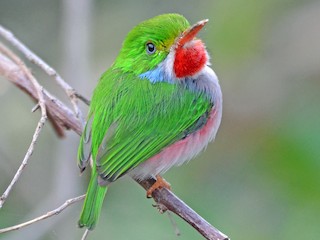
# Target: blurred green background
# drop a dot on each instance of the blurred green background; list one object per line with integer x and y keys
{"x": 258, "y": 180}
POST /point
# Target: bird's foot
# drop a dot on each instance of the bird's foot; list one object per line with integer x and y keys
{"x": 160, "y": 183}
{"x": 161, "y": 208}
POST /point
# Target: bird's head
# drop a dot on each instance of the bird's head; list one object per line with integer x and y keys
{"x": 163, "y": 45}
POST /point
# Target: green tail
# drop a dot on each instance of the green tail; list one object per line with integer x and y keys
{"x": 93, "y": 203}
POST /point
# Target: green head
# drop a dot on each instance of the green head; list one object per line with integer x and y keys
{"x": 165, "y": 38}
{"x": 148, "y": 44}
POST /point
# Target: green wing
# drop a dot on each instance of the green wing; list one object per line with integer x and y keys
{"x": 134, "y": 120}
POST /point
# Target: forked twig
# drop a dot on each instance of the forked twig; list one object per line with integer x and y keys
{"x": 71, "y": 93}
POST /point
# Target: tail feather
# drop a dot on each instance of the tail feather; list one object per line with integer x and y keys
{"x": 92, "y": 204}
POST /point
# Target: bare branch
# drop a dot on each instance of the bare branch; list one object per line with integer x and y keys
{"x": 27, "y": 72}
{"x": 85, "y": 234}
{"x": 166, "y": 198}
{"x": 24, "y": 162}
{"x": 71, "y": 93}
{"x": 58, "y": 111}
{"x": 83, "y": 99}
{"x": 44, "y": 216}
{"x": 39, "y": 92}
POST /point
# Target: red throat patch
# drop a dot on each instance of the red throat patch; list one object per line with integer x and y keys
{"x": 190, "y": 59}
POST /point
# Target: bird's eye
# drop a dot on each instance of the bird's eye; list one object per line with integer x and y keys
{"x": 151, "y": 48}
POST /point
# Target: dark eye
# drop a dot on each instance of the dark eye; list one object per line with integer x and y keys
{"x": 151, "y": 48}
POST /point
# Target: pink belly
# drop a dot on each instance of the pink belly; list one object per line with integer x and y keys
{"x": 181, "y": 151}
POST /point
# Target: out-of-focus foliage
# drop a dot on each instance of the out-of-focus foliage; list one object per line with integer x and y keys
{"x": 260, "y": 178}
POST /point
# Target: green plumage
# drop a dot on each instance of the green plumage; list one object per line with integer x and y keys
{"x": 92, "y": 203}
{"x": 161, "y": 30}
{"x": 131, "y": 119}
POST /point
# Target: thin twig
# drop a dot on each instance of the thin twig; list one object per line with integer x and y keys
{"x": 44, "y": 216}
{"x": 83, "y": 99}
{"x": 41, "y": 102}
{"x": 23, "y": 164}
{"x": 85, "y": 234}
{"x": 71, "y": 93}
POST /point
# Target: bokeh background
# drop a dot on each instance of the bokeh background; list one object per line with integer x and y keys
{"x": 260, "y": 178}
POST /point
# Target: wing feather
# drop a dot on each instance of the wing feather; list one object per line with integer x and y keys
{"x": 134, "y": 119}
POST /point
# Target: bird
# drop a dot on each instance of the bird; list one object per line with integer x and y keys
{"x": 157, "y": 106}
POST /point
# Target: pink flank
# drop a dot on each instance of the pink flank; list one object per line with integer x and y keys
{"x": 181, "y": 151}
